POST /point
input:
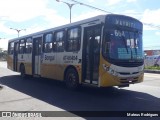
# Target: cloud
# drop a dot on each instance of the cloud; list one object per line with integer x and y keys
{"x": 131, "y": 1}
{"x": 114, "y": 2}
{"x": 91, "y": 1}
{"x": 157, "y": 33}
{"x": 132, "y": 13}
{"x": 22, "y": 10}
{"x": 86, "y": 15}
{"x": 53, "y": 19}
{"x": 151, "y": 16}
{"x": 5, "y": 29}
{"x": 4, "y": 44}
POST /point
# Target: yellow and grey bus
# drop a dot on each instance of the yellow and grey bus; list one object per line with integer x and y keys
{"x": 103, "y": 51}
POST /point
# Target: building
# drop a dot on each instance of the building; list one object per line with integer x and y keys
{"x": 152, "y": 52}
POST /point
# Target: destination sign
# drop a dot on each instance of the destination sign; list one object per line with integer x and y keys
{"x": 123, "y": 21}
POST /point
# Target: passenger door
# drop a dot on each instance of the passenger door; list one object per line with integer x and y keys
{"x": 36, "y": 56}
{"x": 15, "y": 56}
{"x": 91, "y": 54}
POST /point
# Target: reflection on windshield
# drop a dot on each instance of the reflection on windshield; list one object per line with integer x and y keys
{"x": 124, "y": 45}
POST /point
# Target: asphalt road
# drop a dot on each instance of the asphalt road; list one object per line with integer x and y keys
{"x": 35, "y": 94}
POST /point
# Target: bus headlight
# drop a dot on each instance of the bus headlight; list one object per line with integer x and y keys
{"x": 105, "y": 67}
{"x": 109, "y": 70}
{"x": 141, "y": 68}
{"x": 112, "y": 72}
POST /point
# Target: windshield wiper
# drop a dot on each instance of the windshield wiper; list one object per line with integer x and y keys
{"x": 125, "y": 44}
{"x": 123, "y": 38}
{"x": 130, "y": 45}
{"x": 135, "y": 43}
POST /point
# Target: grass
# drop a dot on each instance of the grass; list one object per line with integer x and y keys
{"x": 152, "y": 68}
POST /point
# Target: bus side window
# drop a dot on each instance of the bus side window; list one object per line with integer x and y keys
{"x": 29, "y": 45}
{"x": 11, "y": 48}
{"x": 47, "y": 45}
{"x": 58, "y": 43}
{"x": 22, "y": 46}
{"x": 73, "y": 39}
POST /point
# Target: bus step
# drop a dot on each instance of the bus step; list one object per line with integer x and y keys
{"x": 93, "y": 82}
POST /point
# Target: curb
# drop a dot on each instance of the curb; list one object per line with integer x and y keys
{"x": 152, "y": 71}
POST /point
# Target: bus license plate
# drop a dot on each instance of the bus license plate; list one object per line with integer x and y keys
{"x": 130, "y": 79}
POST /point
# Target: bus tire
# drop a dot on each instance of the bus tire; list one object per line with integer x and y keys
{"x": 23, "y": 71}
{"x": 71, "y": 79}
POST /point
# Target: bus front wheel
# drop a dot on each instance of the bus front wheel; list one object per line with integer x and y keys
{"x": 71, "y": 79}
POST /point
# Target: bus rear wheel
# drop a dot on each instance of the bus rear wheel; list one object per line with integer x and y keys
{"x": 71, "y": 79}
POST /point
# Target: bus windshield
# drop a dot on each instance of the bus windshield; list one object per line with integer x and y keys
{"x": 125, "y": 44}
{"x": 122, "y": 39}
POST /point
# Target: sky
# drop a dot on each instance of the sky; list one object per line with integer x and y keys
{"x": 37, "y": 15}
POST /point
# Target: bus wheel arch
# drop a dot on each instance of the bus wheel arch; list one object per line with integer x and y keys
{"x": 22, "y": 70}
{"x": 71, "y": 78}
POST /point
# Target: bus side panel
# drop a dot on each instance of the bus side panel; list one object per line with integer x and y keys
{"x": 28, "y": 68}
{"x": 28, "y": 63}
{"x": 60, "y": 67}
{"x": 26, "y": 60}
{"x": 48, "y": 71}
{"x": 66, "y": 60}
{"x": 10, "y": 62}
{"x": 48, "y": 65}
{"x": 20, "y": 61}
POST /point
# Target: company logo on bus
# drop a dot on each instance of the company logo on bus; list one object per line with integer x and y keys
{"x": 49, "y": 58}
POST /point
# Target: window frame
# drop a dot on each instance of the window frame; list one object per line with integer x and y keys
{"x": 27, "y": 46}
{"x": 24, "y": 47}
{"x": 63, "y": 41}
{"x": 44, "y": 42}
{"x": 78, "y": 39}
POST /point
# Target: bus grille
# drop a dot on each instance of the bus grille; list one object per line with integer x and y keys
{"x": 127, "y": 73}
{"x": 129, "y": 80}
